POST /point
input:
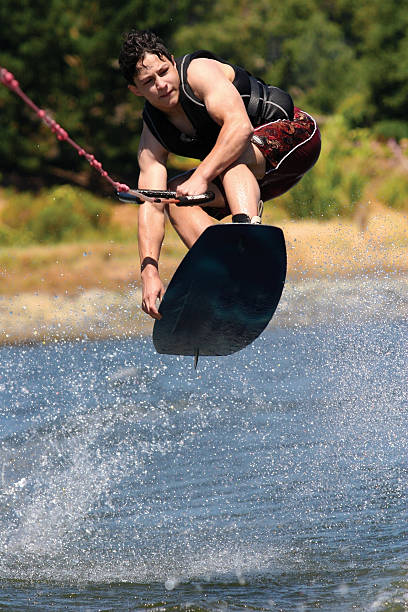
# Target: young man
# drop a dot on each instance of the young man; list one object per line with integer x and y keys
{"x": 253, "y": 144}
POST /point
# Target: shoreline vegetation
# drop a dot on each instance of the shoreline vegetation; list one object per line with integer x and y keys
{"x": 91, "y": 289}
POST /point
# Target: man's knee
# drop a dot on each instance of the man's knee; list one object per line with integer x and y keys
{"x": 253, "y": 159}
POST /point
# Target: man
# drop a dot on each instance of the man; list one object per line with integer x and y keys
{"x": 252, "y": 143}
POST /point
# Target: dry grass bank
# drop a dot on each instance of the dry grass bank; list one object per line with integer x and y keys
{"x": 376, "y": 240}
{"x": 93, "y": 290}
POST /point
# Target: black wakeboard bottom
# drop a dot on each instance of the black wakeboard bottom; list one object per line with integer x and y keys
{"x": 224, "y": 292}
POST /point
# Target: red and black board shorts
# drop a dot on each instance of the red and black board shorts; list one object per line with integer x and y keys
{"x": 290, "y": 148}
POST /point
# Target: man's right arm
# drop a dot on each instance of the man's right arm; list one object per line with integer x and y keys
{"x": 152, "y": 158}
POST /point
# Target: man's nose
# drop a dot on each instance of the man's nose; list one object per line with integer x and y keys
{"x": 160, "y": 83}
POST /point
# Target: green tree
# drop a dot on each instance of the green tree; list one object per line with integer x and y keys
{"x": 383, "y": 50}
{"x": 64, "y": 54}
{"x": 293, "y": 45}
{"x": 332, "y": 56}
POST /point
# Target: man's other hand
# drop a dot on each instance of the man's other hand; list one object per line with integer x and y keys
{"x": 153, "y": 291}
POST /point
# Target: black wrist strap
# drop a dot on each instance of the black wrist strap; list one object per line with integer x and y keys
{"x": 149, "y": 261}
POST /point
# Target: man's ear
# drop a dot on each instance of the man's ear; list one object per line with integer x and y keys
{"x": 135, "y": 91}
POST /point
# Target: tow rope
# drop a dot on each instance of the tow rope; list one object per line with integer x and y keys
{"x": 9, "y": 80}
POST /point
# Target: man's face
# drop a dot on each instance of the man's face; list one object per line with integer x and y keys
{"x": 158, "y": 81}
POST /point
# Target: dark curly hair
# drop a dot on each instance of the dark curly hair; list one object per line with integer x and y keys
{"x": 135, "y": 45}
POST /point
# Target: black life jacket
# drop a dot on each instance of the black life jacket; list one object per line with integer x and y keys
{"x": 264, "y": 103}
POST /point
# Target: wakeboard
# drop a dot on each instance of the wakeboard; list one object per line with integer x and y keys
{"x": 224, "y": 292}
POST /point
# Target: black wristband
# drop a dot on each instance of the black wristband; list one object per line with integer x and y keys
{"x": 147, "y": 261}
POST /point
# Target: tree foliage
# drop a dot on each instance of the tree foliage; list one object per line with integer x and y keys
{"x": 333, "y": 56}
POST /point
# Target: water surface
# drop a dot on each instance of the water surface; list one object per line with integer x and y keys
{"x": 274, "y": 479}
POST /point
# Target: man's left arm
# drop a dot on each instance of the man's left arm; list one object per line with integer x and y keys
{"x": 224, "y": 104}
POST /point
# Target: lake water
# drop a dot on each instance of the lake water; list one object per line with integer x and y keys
{"x": 273, "y": 479}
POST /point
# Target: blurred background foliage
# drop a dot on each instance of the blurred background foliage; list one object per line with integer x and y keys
{"x": 59, "y": 214}
{"x": 344, "y": 61}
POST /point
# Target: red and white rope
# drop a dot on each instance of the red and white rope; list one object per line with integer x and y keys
{"x": 9, "y": 80}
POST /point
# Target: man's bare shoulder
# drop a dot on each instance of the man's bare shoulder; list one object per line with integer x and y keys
{"x": 206, "y": 69}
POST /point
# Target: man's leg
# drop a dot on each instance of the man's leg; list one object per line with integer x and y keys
{"x": 190, "y": 221}
{"x": 241, "y": 185}
{"x": 240, "y": 182}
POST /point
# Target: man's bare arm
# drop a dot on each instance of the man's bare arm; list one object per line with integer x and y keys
{"x": 153, "y": 175}
{"x": 224, "y": 104}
